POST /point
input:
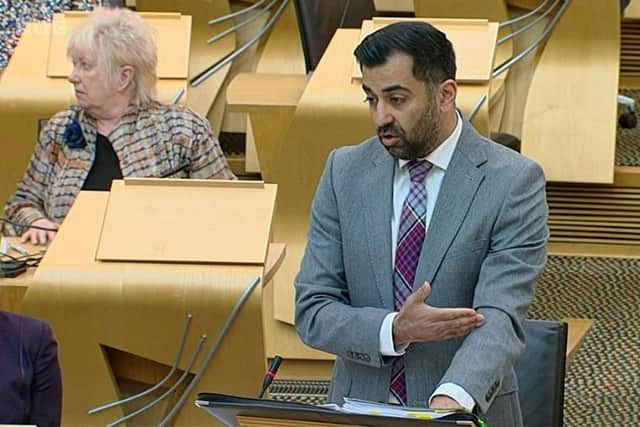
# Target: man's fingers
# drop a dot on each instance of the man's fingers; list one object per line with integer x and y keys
{"x": 444, "y": 314}
{"x": 458, "y": 327}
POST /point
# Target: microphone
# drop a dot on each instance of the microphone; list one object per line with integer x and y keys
{"x": 182, "y": 166}
{"x": 270, "y": 375}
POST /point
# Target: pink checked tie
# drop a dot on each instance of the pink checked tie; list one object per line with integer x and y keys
{"x": 411, "y": 232}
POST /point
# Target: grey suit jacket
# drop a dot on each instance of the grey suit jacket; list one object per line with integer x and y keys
{"x": 484, "y": 248}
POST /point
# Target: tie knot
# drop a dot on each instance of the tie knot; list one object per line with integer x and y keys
{"x": 418, "y": 170}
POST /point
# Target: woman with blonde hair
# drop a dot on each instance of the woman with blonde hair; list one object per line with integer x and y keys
{"x": 116, "y": 129}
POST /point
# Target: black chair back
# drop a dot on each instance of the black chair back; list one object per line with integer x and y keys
{"x": 319, "y": 20}
{"x": 540, "y": 371}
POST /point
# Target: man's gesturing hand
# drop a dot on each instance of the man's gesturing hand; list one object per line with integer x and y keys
{"x": 419, "y": 322}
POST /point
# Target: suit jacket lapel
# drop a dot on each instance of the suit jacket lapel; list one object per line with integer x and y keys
{"x": 458, "y": 189}
{"x": 377, "y": 204}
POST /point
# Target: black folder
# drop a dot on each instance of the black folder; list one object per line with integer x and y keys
{"x": 226, "y": 408}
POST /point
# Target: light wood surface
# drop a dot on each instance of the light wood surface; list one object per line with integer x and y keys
{"x": 393, "y": 5}
{"x": 519, "y": 78}
{"x": 260, "y": 92}
{"x": 200, "y": 230}
{"x": 140, "y": 308}
{"x": 632, "y": 10}
{"x": 275, "y": 256}
{"x": 495, "y": 11}
{"x": 271, "y": 100}
{"x": 282, "y": 53}
{"x": 596, "y": 219}
{"x": 12, "y": 289}
{"x": 172, "y": 31}
{"x": 201, "y": 54}
{"x": 577, "y": 331}
{"x": 571, "y": 112}
{"x": 474, "y": 41}
{"x": 630, "y": 51}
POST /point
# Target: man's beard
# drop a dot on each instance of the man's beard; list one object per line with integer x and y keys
{"x": 421, "y": 141}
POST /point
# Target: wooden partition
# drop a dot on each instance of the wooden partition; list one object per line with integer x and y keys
{"x": 493, "y": 11}
{"x": 281, "y": 53}
{"x": 570, "y": 117}
{"x": 131, "y": 311}
{"x": 202, "y": 97}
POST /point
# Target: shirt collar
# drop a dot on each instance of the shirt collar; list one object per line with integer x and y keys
{"x": 441, "y": 156}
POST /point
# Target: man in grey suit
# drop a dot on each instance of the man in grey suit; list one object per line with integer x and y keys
{"x": 425, "y": 243}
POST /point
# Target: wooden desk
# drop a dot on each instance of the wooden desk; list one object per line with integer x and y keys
{"x": 569, "y": 124}
{"x": 578, "y": 329}
{"x": 12, "y": 289}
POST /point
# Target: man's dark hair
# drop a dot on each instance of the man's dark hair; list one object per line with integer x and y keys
{"x": 434, "y": 60}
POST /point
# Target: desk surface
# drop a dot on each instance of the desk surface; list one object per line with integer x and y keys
{"x": 12, "y": 289}
{"x": 578, "y": 329}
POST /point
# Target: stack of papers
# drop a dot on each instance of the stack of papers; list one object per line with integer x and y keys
{"x": 365, "y": 407}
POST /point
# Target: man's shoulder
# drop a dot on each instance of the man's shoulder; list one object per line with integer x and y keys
{"x": 502, "y": 157}
{"x": 356, "y": 153}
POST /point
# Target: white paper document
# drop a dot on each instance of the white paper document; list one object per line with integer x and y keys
{"x": 365, "y": 407}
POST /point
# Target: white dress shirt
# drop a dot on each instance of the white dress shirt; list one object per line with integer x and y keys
{"x": 440, "y": 158}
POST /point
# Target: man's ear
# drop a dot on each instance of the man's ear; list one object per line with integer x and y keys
{"x": 125, "y": 77}
{"x": 448, "y": 90}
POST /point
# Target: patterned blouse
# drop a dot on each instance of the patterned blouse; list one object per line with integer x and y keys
{"x": 150, "y": 142}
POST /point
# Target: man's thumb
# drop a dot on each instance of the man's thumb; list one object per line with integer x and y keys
{"x": 422, "y": 293}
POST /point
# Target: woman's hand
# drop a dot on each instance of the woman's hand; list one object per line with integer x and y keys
{"x": 40, "y": 237}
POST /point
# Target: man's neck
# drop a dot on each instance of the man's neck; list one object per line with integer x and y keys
{"x": 447, "y": 125}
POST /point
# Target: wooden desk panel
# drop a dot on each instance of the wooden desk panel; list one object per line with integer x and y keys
{"x": 571, "y": 111}
{"x": 578, "y": 329}
{"x": 140, "y": 309}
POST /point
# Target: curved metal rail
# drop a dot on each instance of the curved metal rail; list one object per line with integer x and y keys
{"x": 529, "y": 25}
{"x": 207, "y": 72}
{"x": 242, "y": 24}
{"x": 238, "y": 13}
{"x": 524, "y": 16}
{"x": 509, "y": 63}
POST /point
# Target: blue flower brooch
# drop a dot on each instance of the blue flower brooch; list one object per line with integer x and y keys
{"x": 73, "y": 137}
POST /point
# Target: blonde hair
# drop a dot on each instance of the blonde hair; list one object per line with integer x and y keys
{"x": 120, "y": 37}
